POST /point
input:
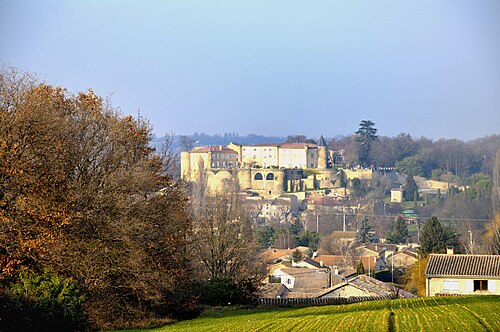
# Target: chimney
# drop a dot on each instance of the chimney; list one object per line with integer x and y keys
{"x": 449, "y": 250}
{"x": 336, "y": 271}
{"x": 321, "y": 263}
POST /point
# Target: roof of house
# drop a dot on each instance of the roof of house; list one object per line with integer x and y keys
{"x": 272, "y": 290}
{"x": 343, "y": 261}
{"x": 273, "y": 253}
{"x": 370, "y": 286}
{"x": 463, "y": 265}
{"x": 297, "y": 145}
{"x": 404, "y": 252}
{"x": 214, "y": 148}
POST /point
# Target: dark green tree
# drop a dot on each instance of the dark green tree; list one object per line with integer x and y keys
{"x": 399, "y": 232}
{"x": 364, "y": 234}
{"x": 435, "y": 237}
{"x": 296, "y": 228}
{"x": 265, "y": 236}
{"x": 360, "y": 269}
{"x": 410, "y": 166}
{"x": 297, "y": 255}
{"x": 309, "y": 239}
{"x": 410, "y": 188}
{"x": 356, "y": 188}
{"x": 364, "y": 137}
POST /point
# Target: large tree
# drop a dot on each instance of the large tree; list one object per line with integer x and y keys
{"x": 83, "y": 194}
{"x": 399, "y": 232}
{"x": 410, "y": 188}
{"x": 365, "y": 136}
{"x": 435, "y": 237}
{"x": 364, "y": 233}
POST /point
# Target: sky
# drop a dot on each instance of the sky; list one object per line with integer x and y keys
{"x": 429, "y": 68}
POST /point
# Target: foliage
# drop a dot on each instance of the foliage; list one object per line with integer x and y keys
{"x": 356, "y": 188}
{"x": 399, "y": 232}
{"x": 225, "y": 291}
{"x": 85, "y": 195}
{"x": 360, "y": 269}
{"x": 492, "y": 235}
{"x": 265, "y": 236}
{"x": 474, "y": 313}
{"x": 435, "y": 237}
{"x": 297, "y": 255}
{"x": 364, "y": 233}
{"x": 309, "y": 239}
{"x": 42, "y": 303}
{"x": 222, "y": 239}
{"x": 414, "y": 277}
{"x": 299, "y": 139}
{"x": 410, "y": 166}
{"x": 410, "y": 188}
{"x": 365, "y": 136}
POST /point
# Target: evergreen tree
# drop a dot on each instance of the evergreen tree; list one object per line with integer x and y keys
{"x": 364, "y": 234}
{"x": 265, "y": 236}
{"x": 399, "y": 232}
{"x": 360, "y": 269}
{"x": 435, "y": 237}
{"x": 410, "y": 189}
{"x": 365, "y": 136}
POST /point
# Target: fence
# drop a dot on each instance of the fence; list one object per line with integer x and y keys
{"x": 306, "y": 302}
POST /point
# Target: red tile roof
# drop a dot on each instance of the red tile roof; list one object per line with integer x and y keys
{"x": 297, "y": 145}
{"x": 214, "y": 148}
{"x": 463, "y": 265}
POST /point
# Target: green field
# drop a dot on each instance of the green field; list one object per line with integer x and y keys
{"x": 478, "y": 313}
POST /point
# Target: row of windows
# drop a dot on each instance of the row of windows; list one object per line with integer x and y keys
{"x": 269, "y": 176}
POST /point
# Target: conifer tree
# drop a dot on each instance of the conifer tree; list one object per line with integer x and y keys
{"x": 364, "y": 233}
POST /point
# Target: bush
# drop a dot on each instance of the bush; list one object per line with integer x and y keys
{"x": 44, "y": 302}
{"x": 225, "y": 291}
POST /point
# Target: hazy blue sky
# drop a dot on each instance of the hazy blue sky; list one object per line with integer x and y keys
{"x": 429, "y": 68}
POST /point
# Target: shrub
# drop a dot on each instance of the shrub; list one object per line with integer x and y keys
{"x": 44, "y": 302}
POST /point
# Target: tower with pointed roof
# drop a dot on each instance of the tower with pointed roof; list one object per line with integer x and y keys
{"x": 322, "y": 153}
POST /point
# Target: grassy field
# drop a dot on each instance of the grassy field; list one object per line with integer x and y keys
{"x": 478, "y": 313}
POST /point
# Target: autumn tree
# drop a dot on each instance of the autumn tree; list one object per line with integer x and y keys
{"x": 83, "y": 194}
{"x": 222, "y": 243}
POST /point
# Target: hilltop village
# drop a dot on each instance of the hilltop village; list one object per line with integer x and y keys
{"x": 278, "y": 177}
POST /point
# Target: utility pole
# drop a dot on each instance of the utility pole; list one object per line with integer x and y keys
{"x": 317, "y": 223}
{"x": 343, "y": 224}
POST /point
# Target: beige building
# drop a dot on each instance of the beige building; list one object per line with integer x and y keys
{"x": 207, "y": 157}
{"x": 284, "y": 155}
{"x": 448, "y": 274}
{"x": 269, "y": 170}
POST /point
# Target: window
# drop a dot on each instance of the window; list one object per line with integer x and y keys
{"x": 258, "y": 176}
{"x": 270, "y": 176}
{"x": 480, "y": 285}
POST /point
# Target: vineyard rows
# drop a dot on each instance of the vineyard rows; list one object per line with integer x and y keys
{"x": 420, "y": 314}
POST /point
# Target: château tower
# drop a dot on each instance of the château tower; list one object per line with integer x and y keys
{"x": 322, "y": 153}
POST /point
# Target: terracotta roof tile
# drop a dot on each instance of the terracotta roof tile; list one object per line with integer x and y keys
{"x": 214, "y": 148}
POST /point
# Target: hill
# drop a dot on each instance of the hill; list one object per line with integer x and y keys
{"x": 477, "y": 313}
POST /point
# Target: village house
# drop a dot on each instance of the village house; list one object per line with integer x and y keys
{"x": 364, "y": 285}
{"x": 449, "y": 274}
{"x": 402, "y": 259}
